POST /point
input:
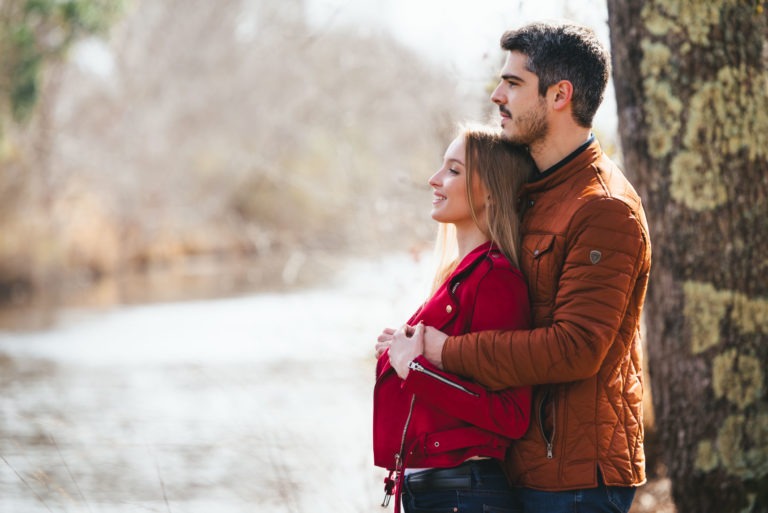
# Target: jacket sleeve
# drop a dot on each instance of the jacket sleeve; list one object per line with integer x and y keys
{"x": 506, "y": 412}
{"x": 590, "y": 304}
{"x": 500, "y": 300}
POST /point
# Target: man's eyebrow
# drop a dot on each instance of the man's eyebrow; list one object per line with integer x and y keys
{"x": 509, "y": 76}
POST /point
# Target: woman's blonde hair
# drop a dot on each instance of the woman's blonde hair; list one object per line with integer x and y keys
{"x": 503, "y": 168}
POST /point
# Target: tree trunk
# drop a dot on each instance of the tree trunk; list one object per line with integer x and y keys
{"x": 691, "y": 86}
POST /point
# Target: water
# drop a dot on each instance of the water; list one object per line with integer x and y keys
{"x": 258, "y": 403}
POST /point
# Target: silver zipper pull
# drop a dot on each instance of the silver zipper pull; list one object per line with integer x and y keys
{"x": 549, "y": 450}
{"x": 416, "y": 366}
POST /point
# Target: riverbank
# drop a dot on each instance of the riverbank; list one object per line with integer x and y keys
{"x": 188, "y": 279}
{"x": 257, "y": 401}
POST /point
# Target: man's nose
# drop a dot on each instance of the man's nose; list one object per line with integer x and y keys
{"x": 497, "y": 97}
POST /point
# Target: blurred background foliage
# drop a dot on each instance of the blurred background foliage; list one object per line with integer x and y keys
{"x": 141, "y": 135}
{"x": 33, "y": 32}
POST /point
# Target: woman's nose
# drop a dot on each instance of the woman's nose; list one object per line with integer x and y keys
{"x": 434, "y": 180}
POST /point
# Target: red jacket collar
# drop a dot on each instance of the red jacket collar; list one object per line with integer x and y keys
{"x": 472, "y": 256}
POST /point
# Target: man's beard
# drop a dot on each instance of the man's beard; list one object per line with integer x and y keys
{"x": 530, "y": 128}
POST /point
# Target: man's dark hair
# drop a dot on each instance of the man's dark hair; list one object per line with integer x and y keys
{"x": 565, "y": 52}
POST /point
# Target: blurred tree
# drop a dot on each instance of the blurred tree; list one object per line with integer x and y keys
{"x": 237, "y": 127}
{"x": 691, "y": 80}
{"x": 34, "y": 38}
{"x": 33, "y": 32}
{"x": 199, "y": 130}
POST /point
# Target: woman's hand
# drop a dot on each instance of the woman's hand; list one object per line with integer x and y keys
{"x": 383, "y": 341}
{"x": 407, "y": 343}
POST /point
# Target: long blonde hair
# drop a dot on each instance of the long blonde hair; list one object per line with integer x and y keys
{"x": 503, "y": 167}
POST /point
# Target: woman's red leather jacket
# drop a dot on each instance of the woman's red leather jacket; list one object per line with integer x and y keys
{"x": 436, "y": 419}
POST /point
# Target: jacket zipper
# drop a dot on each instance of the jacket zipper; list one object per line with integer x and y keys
{"x": 414, "y": 365}
{"x": 548, "y": 439}
{"x": 399, "y": 456}
{"x": 389, "y": 490}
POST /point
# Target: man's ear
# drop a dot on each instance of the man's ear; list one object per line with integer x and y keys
{"x": 562, "y": 94}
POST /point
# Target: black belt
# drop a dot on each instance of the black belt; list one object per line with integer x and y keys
{"x": 454, "y": 478}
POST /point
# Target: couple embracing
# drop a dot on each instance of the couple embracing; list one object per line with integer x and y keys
{"x": 517, "y": 386}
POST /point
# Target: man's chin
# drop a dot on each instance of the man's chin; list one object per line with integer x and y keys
{"x": 523, "y": 139}
{"x": 513, "y": 137}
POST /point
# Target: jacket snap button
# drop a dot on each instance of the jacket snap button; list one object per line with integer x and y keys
{"x": 536, "y": 252}
{"x": 437, "y": 444}
{"x": 449, "y": 309}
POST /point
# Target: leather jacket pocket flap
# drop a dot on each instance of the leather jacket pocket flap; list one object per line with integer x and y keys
{"x": 539, "y": 245}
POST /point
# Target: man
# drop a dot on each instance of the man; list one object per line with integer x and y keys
{"x": 586, "y": 255}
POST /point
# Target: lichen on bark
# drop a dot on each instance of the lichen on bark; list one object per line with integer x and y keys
{"x": 738, "y": 377}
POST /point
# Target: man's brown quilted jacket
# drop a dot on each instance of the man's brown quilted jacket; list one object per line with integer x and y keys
{"x": 586, "y": 255}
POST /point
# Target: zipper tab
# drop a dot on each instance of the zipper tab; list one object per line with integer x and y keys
{"x": 389, "y": 488}
{"x": 548, "y": 439}
{"x": 416, "y": 366}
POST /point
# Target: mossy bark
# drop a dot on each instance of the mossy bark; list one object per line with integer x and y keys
{"x": 691, "y": 80}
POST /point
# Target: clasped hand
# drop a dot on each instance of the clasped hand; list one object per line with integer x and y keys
{"x": 409, "y": 342}
{"x": 404, "y": 344}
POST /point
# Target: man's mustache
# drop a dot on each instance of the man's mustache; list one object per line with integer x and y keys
{"x": 504, "y": 110}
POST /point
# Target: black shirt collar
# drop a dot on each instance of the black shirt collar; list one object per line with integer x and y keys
{"x": 570, "y": 157}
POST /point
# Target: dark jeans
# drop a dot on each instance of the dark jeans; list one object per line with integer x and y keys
{"x": 487, "y": 491}
{"x": 603, "y": 499}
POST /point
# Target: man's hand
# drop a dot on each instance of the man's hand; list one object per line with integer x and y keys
{"x": 383, "y": 341}
{"x": 434, "y": 340}
{"x": 407, "y": 344}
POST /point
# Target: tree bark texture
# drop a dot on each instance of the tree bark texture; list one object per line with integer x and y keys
{"x": 691, "y": 84}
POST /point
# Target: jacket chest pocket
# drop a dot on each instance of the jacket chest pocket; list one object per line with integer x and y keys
{"x": 540, "y": 267}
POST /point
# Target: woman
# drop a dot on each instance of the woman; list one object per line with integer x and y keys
{"x": 441, "y": 436}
